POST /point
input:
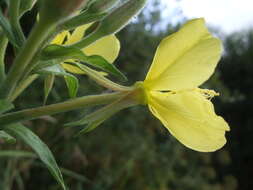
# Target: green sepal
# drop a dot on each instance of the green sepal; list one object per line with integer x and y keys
{"x": 96, "y": 118}
{"x": 100, "y": 79}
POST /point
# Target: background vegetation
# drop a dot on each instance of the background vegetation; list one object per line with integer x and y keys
{"x": 132, "y": 151}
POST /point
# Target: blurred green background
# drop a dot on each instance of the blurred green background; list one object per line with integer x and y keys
{"x": 132, "y": 150}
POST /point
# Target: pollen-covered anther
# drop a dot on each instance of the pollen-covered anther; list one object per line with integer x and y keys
{"x": 208, "y": 94}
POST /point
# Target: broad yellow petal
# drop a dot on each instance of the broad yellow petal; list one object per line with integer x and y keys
{"x": 185, "y": 59}
{"x": 59, "y": 38}
{"x": 77, "y": 34}
{"x": 107, "y": 47}
{"x": 72, "y": 69}
{"x": 190, "y": 118}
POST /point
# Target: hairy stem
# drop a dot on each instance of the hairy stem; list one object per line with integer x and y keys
{"x": 74, "y": 104}
{"x": 22, "y": 86}
{"x": 37, "y": 37}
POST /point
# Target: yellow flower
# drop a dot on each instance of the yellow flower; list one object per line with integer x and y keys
{"x": 107, "y": 47}
{"x": 183, "y": 61}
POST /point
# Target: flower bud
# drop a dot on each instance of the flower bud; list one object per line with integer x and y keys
{"x": 101, "y": 6}
{"x": 56, "y": 10}
{"x": 118, "y": 18}
{"x": 112, "y": 23}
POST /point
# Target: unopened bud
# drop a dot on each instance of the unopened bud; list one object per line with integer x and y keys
{"x": 112, "y": 23}
{"x": 101, "y": 6}
{"x": 56, "y": 10}
{"x": 121, "y": 16}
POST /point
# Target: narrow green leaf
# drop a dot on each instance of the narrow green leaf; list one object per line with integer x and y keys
{"x": 7, "y": 138}
{"x": 5, "y": 106}
{"x": 48, "y": 85}
{"x": 71, "y": 81}
{"x": 6, "y": 26}
{"x": 61, "y": 52}
{"x": 39, "y": 147}
{"x": 72, "y": 84}
{"x": 17, "y": 154}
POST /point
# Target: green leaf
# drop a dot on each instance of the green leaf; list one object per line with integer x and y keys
{"x": 17, "y": 153}
{"x": 39, "y": 147}
{"x": 5, "y": 106}
{"x": 48, "y": 85}
{"x": 7, "y": 138}
{"x": 6, "y": 26}
{"x": 71, "y": 81}
{"x": 72, "y": 84}
{"x": 60, "y": 52}
{"x": 26, "y": 5}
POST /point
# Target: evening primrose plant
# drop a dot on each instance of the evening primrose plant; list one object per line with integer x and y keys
{"x": 78, "y": 37}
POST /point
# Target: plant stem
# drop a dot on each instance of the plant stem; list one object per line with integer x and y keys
{"x": 37, "y": 37}
{"x": 77, "y": 103}
{"x": 14, "y": 21}
{"x": 3, "y": 46}
{"x": 22, "y": 86}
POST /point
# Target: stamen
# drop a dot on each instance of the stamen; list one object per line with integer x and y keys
{"x": 208, "y": 94}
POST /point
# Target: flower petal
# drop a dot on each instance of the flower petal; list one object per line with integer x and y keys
{"x": 107, "y": 47}
{"x": 77, "y": 34}
{"x": 100, "y": 47}
{"x": 72, "y": 69}
{"x": 59, "y": 38}
{"x": 191, "y": 118}
{"x": 185, "y": 59}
